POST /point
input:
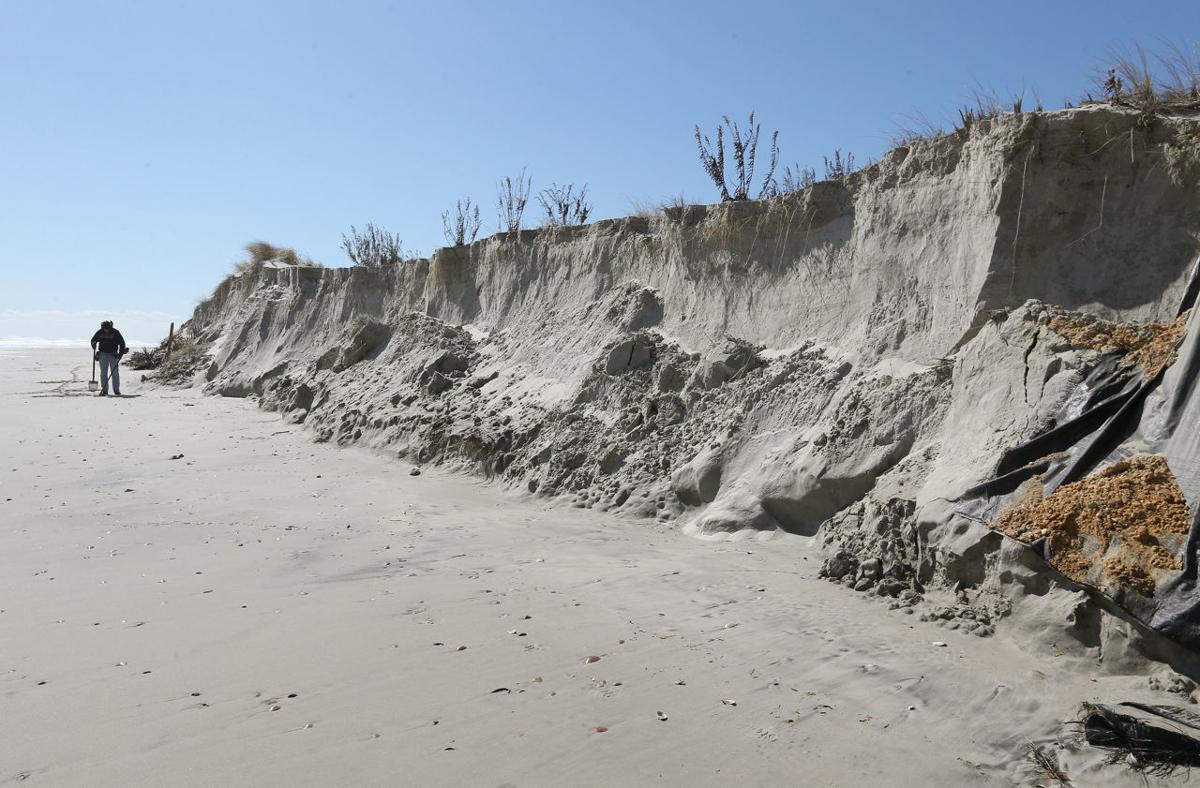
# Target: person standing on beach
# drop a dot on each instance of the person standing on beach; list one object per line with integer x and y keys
{"x": 109, "y": 346}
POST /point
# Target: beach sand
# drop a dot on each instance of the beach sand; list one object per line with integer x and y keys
{"x": 264, "y": 610}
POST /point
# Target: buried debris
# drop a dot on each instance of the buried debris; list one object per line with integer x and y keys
{"x": 1144, "y": 747}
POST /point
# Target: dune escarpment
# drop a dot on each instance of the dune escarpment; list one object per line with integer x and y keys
{"x": 844, "y": 362}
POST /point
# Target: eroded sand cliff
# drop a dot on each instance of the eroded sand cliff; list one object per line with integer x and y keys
{"x": 843, "y": 362}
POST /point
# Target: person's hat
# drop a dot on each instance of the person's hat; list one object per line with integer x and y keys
{"x": 106, "y": 324}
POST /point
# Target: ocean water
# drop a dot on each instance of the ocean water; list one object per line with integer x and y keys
{"x": 34, "y": 343}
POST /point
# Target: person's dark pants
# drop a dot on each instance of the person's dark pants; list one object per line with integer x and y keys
{"x": 110, "y": 364}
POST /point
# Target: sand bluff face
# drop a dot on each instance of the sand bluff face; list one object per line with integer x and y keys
{"x": 838, "y": 362}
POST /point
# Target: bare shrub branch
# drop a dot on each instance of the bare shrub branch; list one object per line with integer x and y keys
{"x": 511, "y": 198}
{"x": 461, "y": 226}
{"x": 564, "y": 206}
{"x": 745, "y": 151}
{"x": 374, "y": 247}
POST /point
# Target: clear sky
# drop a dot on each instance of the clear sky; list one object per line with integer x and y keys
{"x": 144, "y": 143}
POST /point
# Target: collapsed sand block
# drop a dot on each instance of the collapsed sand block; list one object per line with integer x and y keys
{"x": 629, "y": 354}
{"x": 729, "y": 360}
{"x": 367, "y": 338}
{"x": 698, "y": 481}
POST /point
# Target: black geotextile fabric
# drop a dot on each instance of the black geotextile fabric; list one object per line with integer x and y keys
{"x": 1114, "y": 415}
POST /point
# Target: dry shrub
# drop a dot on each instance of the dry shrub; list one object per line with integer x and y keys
{"x": 797, "y": 179}
{"x": 652, "y": 209}
{"x": 986, "y": 106}
{"x": 182, "y": 345}
{"x": 564, "y": 206}
{"x": 259, "y": 253}
{"x": 146, "y": 358}
{"x": 916, "y": 127}
{"x": 374, "y": 247}
{"x": 745, "y": 151}
{"x": 512, "y": 195}
{"x": 462, "y": 226}
{"x": 1152, "y": 82}
{"x": 838, "y": 168}
{"x": 185, "y": 361}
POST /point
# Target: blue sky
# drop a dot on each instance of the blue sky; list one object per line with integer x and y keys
{"x": 143, "y": 143}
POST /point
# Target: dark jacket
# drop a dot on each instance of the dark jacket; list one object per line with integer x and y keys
{"x": 112, "y": 342}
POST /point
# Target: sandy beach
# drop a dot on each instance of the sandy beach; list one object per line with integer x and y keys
{"x": 192, "y": 592}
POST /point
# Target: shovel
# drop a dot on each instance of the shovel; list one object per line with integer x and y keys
{"x": 92, "y": 384}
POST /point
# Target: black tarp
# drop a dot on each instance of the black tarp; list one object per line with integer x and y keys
{"x": 1117, "y": 414}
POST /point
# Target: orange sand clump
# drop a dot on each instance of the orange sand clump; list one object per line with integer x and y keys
{"x": 1116, "y": 528}
{"x": 1147, "y": 346}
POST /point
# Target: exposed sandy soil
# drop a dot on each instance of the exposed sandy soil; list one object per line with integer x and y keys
{"x": 1146, "y": 346}
{"x": 268, "y": 611}
{"x": 1117, "y": 528}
